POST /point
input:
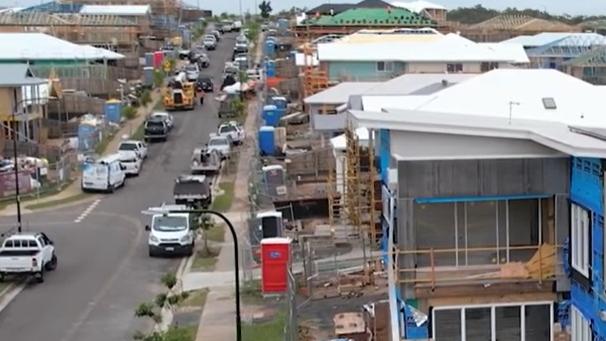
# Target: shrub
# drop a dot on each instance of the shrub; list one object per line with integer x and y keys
{"x": 160, "y": 300}
{"x": 145, "y": 310}
{"x": 174, "y": 299}
{"x": 184, "y": 295}
{"x": 169, "y": 280}
{"x": 129, "y": 112}
{"x": 158, "y": 78}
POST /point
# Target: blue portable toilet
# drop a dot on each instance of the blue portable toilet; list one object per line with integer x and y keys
{"x": 149, "y": 59}
{"x": 271, "y": 115}
{"x": 270, "y": 68}
{"x": 267, "y": 145}
{"x": 279, "y": 101}
{"x": 270, "y": 47}
{"x": 113, "y": 111}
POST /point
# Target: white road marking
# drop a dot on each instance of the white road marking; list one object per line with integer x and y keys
{"x": 87, "y": 211}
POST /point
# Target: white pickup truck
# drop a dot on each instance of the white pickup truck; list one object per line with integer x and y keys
{"x": 234, "y": 130}
{"x": 27, "y": 254}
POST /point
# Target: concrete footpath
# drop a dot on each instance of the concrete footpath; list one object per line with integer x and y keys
{"x": 73, "y": 189}
{"x": 220, "y": 302}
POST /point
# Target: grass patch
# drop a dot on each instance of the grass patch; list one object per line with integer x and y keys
{"x": 268, "y": 331}
{"x": 222, "y": 203}
{"x": 195, "y": 299}
{"x": 102, "y": 145}
{"x": 216, "y": 233}
{"x": 52, "y": 203}
{"x": 139, "y": 134}
{"x": 250, "y": 292}
{"x": 159, "y": 105}
{"x": 34, "y": 195}
{"x": 205, "y": 259}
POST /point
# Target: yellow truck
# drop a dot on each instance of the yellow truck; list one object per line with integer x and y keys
{"x": 180, "y": 94}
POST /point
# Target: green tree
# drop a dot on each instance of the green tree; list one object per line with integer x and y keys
{"x": 265, "y": 7}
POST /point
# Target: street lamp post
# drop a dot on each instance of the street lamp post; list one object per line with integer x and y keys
{"x": 15, "y": 155}
{"x": 236, "y": 261}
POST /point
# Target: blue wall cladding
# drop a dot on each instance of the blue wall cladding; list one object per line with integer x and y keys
{"x": 384, "y": 152}
{"x": 587, "y": 183}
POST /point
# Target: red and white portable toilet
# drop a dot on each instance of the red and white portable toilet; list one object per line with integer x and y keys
{"x": 275, "y": 262}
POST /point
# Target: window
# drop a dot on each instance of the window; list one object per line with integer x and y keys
{"x": 487, "y": 66}
{"x": 497, "y": 322}
{"x": 454, "y": 68}
{"x": 580, "y": 329}
{"x": 384, "y": 66}
{"x": 579, "y": 241}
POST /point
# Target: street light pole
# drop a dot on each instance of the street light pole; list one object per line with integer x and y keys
{"x": 15, "y": 156}
{"x": 234, "y": 235}
{"x": 16, "y": 168}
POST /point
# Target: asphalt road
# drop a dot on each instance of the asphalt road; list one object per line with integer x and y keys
{"x": 104, "y": 270}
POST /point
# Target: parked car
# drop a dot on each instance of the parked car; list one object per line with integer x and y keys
{"x": 221, "y": 144}
{"x": 228, "y": 26}
{"x": 27, "y": 254}
{"x": 192, "y": 72}
{"x": 168, "y": 118}
{"x": 106, "y": 174}
{"x": 217, "y": 34}
{"x": 233, "y": 130}
{"x": 210, "y": 43}
{"x": 171, "y": 233}
{"x": 193, "y": 191}
{"x": 184, "y": 54}
{"x": 205, "y": 83}
{"x": 156, "y": 128}
{"x": 203, "y": 60}
{"x": 131, "y": 162}
{"x": 134, "y": 145}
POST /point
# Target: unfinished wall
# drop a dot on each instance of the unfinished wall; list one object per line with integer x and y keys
{"x": 455, "y": 178}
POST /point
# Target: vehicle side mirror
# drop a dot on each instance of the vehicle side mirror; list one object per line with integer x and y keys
{"x": 147, "y": 228}
{"x": 122, "y": 167}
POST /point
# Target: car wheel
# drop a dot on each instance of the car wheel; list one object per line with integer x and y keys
{"x": 52, "y": 265}
{"x": 2, "y": 277}
{"x": 151, "y": 253}
{"x": 40, "y": 276}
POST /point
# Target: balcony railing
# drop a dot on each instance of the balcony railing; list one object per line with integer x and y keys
{"x": 531, "y": 264}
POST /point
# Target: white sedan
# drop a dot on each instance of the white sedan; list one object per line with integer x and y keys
{"x": 168, "y": 118}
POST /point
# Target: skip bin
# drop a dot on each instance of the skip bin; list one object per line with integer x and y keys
{"x": 275, "y": 262}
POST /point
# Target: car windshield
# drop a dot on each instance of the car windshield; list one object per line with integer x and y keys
{"x": 217, "y": 142}
{"x": 127, "y": 146}
{"x": 191, "y": 68}
{"x": 168, "y": 223}
{"x": 154, "y": 124}
{"x": 229, "y": 128}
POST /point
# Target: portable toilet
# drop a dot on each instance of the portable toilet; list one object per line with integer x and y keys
{"x": 149, "y": 59}
{"x": 270, "y": 224}
{"x": 270, "y": 68}
{"x": 270, "y": 47}
{"x": 148, "y": 76}
{"x": 267, "y": 145}
{"x": 274, "y": 177}
{"x": 283, "y": 24}
{"x": 271, "y": 115}
{"x": 113, "y": 110}
{"x": 158, "y": 59}
{"x": 275, "y": 264}
{"x": 279, "y": 101}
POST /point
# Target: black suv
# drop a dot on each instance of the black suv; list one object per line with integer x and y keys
{"x": 205, "y": 83}
{"x": 156, "y": 128}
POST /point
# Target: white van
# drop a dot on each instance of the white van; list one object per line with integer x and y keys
{"x": 171, "y": 233}
{"x": 105, "y": 174}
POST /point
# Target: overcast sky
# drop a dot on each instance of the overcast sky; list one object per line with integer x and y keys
{"x": 593, "y": 7}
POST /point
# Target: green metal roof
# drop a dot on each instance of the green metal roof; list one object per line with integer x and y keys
{"x": 375, "y": 17}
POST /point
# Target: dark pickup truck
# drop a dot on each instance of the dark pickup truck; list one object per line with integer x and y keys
{"x": 193, "y": 191}
{"x": 156, "y": 129}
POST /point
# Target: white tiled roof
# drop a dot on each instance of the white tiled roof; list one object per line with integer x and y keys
{"x": 129, "y": 10}
{"x": 40, "y": 46}
{"x": 449, "y": 48}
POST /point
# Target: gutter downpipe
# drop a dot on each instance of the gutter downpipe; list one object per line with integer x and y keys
{"x": 392, "y": 287}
